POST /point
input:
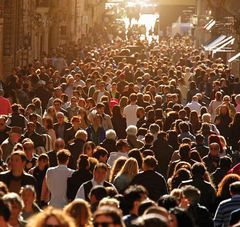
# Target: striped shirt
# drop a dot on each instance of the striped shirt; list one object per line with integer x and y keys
{"x": 224, "y": 210}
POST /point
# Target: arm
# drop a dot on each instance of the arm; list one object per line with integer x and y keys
{"x": 80, "y": 193}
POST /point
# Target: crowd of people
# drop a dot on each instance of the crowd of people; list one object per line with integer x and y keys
{"x": 149, "y": 140}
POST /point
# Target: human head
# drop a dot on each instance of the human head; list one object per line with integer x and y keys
{"x": 100, "y": 172}
{"x": 63, "y": 156}
{"x": 122, "y": 146}
{"x": 184, "y": 151}
{"x": 28, "y": 194}
{"x": 109, "y": 216}
{"x": 149, "y": 163}
{"x": 131, "y": 130}
{"x": 59, "y": 144}
{"x": 192, "y": 194}
{"x": 101, "y": 154}
{"x": 79, "y": 210}
{"x": 111, "y": 134}
{"x": 88, "y": 148}
{"x": 234, "y": 188}
{"x": 18, "y": 161}
{"x": 5, "y": 212}
{"x": 81, "y": 134}
{"x": 214, "y": 149}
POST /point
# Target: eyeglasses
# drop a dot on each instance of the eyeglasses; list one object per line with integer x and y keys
{"x": 102, "y": 224}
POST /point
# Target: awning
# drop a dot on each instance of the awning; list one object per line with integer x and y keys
{"x": 234, "y": 57}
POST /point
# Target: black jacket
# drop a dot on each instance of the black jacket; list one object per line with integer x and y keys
{"x": 109, "y": 145}
{"x": 120, "y": 125}
{"x": 75, "y": 148}
{"x": 75, "y": 181}
{"x": 146, "y": 179}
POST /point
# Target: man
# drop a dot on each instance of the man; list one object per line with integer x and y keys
{"x": 33, "y": 135}
{"x": 148, "y": 176}
{"x": 15, "y": 178}
{"x": 134, "y": 195}
{"x": 141, "y": 116}
{"x": 110, "y": 142}
{"x": 200, "y": 147}
{"x": 56, "y": 179}
{"x": 199, "y": 214}
{"x": 59, "y": 145}
{"x": 99, "y": 175}
{"x": 5, "y": 104}
{"x": 31, "y": 157}
{"x": 106, "y": 119}
{"x": 132, "y": 139}
{"x": 57, "y": 104}
{"x": 194, "y": 104}
{"x": 61, "y": 126}
{"x": 57, "y": 94}
{"x": 4, "y": 129}
{"x": 70, "y": 132}
{"x": 122, "y": 151}
{"x": 130, "y": 111}
{"x": 8, "y": 144}
{"x": 208, "y": 193}
{"x": 76, "y": 148}
{"x": 185, "y": 132}
{"x": 97, "y": 95}
{"x": 212, "y": 159}
{"x": 226, "y": 207}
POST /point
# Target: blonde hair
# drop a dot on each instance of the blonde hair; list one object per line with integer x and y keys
{"x": 130, "y": 168}
{"x": 112, "y": 202}
{"x": 40, "y": 219}
{"x": 80, "y": 211}
{"x": 117, "y": 166}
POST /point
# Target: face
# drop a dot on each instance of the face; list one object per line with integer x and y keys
{"x": 42, "y": 163}
{"x": 16, "y": 163}
{"x": 100, "y": 175}
{"x": 88, "y": 151}
{"x": 214, "y": 150}
{"x": 103, "y": 220}
{"x": 52, "y": 222}
{"x": 30, "y": 127}
{"x": 100, "y": 110}
{"x": 28, "y": 197}
{"x": 60, "y": 118}
{"x": 28, "y": 148}
{"x": 15, "y": 210}
{"x": 14, "y": 137}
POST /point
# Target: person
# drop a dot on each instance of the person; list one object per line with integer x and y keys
{"x": 80, "y": 176}
{"x": 179, "y": 217}
{"x": 70, "y": 133}
{"x": 5, "y": 104}
{"x": 208, "y": 193}
{"x": 16, "y": 204}
{"x": 99, "y": 176}
{"x": 61, "y": 126}
{"x": 76, "y": 148}
{"x": 48, "y": 125}
{"x": 194, "y": 104}
{"x": 16, "y": 177}
{"x": 132, "y": 139}
{"x": 39, "y": 172}
{"x": 28, "y": 148}
{"x": 212, "y": 159}
{"x": 8, "y": 144}
{"x": 96, "y": 194}
{"x": 148, "y": 176}
{"x": 126, "y": 174}
{"x": 28, "y": 196}
{"x": 52, "y": 155}
{"x": 130, "y": 111}
{"x": 56, "y": 179}
{"x": 133, "y": 196}
{"x": 88, "y": 148}
{"x": 4, "y": 213}
{"x": 51, "y": 217}
{"x": 106, "y": 120}
{"x": 122, "y": 151}
{"x": 119, "y": 122}
{"x": 234, "y": 132}
{"x": 108, "y": 216}
{"x": 4, "y": 129}
{"x": 110, "y": 142}
{"x": 185, "y": 132}
{"x": 96, "y": 132}
{"x": 225, "y": 208}
{"x": 79, "y": 210}
{"x": 200, "y": 214}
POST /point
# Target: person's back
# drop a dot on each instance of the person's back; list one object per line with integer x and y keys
{"x": 56, "y": 178}
{"x": 130, "y": 111}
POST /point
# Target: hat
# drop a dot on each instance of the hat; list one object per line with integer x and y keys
{"x": 16, "y": 130}
{"x": 131, "y": 130}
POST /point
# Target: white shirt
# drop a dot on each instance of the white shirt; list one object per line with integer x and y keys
{"x": 130, "y": 113}
{"x": 114, "y": 156}
{"x": 56, "y": 179}
{"x": 195, "y": 106}
{"x": 81, "y": 194}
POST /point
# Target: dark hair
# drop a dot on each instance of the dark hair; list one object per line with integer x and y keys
{"x": 149, "y": 138}
{"x": 21, "y": 154}
{"x": 191, "y": 193}
{"x": 150, "y": 161}
{"x": 168, "y": 202}
{"x": 235, "y": 188}
{"x": 4, "y": 210}
{"x": 83, "y": 162}
{"x": 101, "y": 166}
{"x": 99, "y": 192}
{"x": 198, "y": 169}
{"x": 136, "y": 154}
{"x": 150, "y": 220}
{"x": 184, "y": 151}
{"x": 225, "y": 162}
{"x": 183, "y": 219}
{"x": 99, "y": 152}
{"x": 63, "y": 155}
{"x": 121, "y": 143}
{"x": 144, "y": 205}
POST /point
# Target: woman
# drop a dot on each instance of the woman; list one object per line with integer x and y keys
{"x": 223, "y": 121}
{"x": 48, "y": 125}
{"x": 84, "y": 119}
{"x": 180, "y": 218}
{"x": 80, "y": 211}
{"x": 126, "y": 174}
{"x": 180, "y": 175}
{"x": 123, "y": 103}
{"x": 78, "y": 177}
{"x": 28, "y": 195}
{"x": 119, "y": 122}
{"x": 96, "y": 132}
{"x": 88, "y": 148}
{"x": 51, "y": 112}
{"x": 117, "y": 166}
{"x": 51, "y": 217}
